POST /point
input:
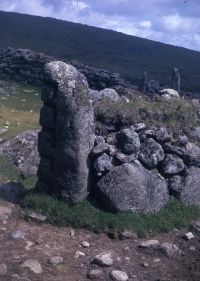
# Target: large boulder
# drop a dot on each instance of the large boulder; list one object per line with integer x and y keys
{"x": 71, "y": 124}
{"x": 128, "y": 141}
{"x": 132, "y": 188}
{"x": 151, "y": 153}
{"x": 187, "y": 188}
{"x": 22, "y": 151}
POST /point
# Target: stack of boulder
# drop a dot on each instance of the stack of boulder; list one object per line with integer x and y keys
{"x": 137, "y": 168}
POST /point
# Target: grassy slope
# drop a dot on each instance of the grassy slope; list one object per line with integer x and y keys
{"x": 115, "y": 51}
{"x": 20, "y": 107}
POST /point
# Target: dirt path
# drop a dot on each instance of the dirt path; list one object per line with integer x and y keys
{"x": 22, "y": 241}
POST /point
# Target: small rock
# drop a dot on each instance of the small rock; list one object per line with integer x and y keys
{"x": 37, "y": 217}
{"x": 19, "y": 278}
{"x": 3, "y": 269}
{"x": 126, "y": 249}
{"x": 3, "y": 130}
{"x": 5, "y": 211}
{"x": 117, "y": 275}
{"x": 188, "y": 236}
{"x": 192, "y": 248}
{"x": 28, "y": 245}
{"x": 145, "y": 264}
{"x": 56, "y": 260}
{"x": 101, "y": 148}
{"x": 85, "y": 244}
{"x": 195, "y": 227}
{"x": 156, "y": 260}
{"x": 72, "y": 232}
{"x": 79, "y": 254}
{"x": 33, "y": 265}
{"x": 99, "y": 140}
{"x": 104, "y": 259}
{"x": 127, "y": 235}
{"x": 169, "y": 249}
{"x": 17, "y": 234}
{"x": 95, "y": 274}
{"x": 149, "y": 244}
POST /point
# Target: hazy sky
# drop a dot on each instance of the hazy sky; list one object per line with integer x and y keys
{"x": 176, "y": 22}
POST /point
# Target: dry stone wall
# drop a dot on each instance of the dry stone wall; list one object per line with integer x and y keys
{"x": 129, "y": 169}
{"x": 26, "y": 66}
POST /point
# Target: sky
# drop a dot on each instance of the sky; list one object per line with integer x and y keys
{"x": 175, "y": 22}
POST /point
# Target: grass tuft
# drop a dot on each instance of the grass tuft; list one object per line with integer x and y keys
{"x": 84, "y": 215}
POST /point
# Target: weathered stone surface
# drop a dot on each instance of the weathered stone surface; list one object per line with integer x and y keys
{"x": 127, "y": 235}
{"x": 100, "y": 148}
{"x": 169, "y": 249}
{"x": 56, "y": 260}
{"x": 12, "y": 192}
{"x": 172, "y": 165}
{"x": 187, "y": 188}
{"x": 3, "y": 269}
{"x": 118, "y": 275}
{"x": 110, "y": 94}
{"x": 17, "y": 234}
{"x": 169, "y": 93}
{"x": 37, "y": 217}
{"x": 33, "y": 265}
{"x": 131, "y": 187}
{"x": 123, "y": 158}
{"x": 102, "y": 164}
{"x": 128, "y": 141}
{"x": 74, "y": 131}
{"x": 22, "y": 151}
{"x": 161, "y": 135}
{"x": 151, "y": 153}
{"x": 192, "y": 155}
{"x": 104, "y": 259}
{"x": 149, "y": 244}
{"x": 95, "y": 274}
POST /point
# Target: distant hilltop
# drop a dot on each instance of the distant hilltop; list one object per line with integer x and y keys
{"x": 128, "y": 55}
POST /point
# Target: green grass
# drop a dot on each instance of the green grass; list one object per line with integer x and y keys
{"x": 9, "y": 172}
{"x": 20, "y": 106}
{"x": 84, "y": 215}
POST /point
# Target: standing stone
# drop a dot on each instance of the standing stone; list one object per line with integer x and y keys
{"x": 176, "y": 80}
{"x": 69, "y": 119}
{"x": 144, "y": 82}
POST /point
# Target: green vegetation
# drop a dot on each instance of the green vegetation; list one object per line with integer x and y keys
{"x": 9, "y": 172}
{"x": 84, "y": 215}
{"x": 177, "y": 115}
{"x": 20, "y": 106}
{"x": 107, "y": 49}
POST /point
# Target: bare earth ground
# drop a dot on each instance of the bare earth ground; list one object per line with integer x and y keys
{"x": 48, "y": 241}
